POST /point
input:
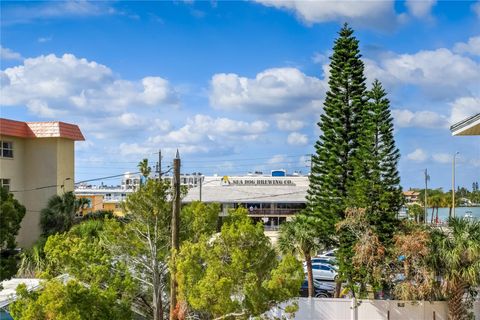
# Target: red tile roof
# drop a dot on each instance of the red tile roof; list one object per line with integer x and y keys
{"x": 49, "y": 129}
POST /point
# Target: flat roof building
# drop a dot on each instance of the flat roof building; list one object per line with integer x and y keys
{"x": 36, "y": 162}
{"x": 270, "y": 199}
{"x": 108, "y": 198}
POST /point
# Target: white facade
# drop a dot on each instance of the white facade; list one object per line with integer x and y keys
{"x": 271, "y": 200}
{"x": 111, "y": 194}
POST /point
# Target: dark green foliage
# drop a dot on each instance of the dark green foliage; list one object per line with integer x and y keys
{"x": 299, "y": 237}
{"x": 376, "y": 186}
{"x": 11, "y": 215}
{"x": 235, "y": 274}
{"x": 332, "y": 167}
{"x": 59, "y": 215}
{"x": 198, "y": 218}
{"x": 99, "y": 214}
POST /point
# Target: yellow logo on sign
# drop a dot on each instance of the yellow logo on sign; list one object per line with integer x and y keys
{"x": 225, "y": 180}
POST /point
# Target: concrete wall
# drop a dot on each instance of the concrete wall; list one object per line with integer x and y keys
{"x": 343, "y": 309}
{"x": 43, "y": 163}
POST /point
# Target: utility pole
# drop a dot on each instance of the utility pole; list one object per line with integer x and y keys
{"x": 453, "y": 183}
{"x": 200, "y": 187}
{"x": 427, "y": 177}
{"x": 311, "y": 161}
{"x": 159, "y": 165}
{"x": 175, "y": 231}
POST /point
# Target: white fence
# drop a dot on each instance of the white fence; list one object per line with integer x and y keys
{"x": 344, "y": 309}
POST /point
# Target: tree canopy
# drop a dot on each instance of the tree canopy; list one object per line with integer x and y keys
{"x": 236, "y": 273}
{"x": 70, "y": 301}
{"x": 59, "y": 214}
{"x": 11, "y": 215}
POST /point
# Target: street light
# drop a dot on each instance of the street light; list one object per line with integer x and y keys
{"x": 453, "y": 183}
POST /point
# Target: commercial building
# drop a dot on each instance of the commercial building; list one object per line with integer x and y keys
{"x": 36, "y": 162}
{"x": 268, "y": 198}
{"x": 110, "y": 197}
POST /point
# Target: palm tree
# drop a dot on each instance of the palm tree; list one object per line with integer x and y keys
{"x": 300, "y": 237}
{"x": 32, "y": 261}
{"x": 435, "y": 202}
{"x": 145, "y": 170}
{"x": 459, "y": 256}
{"x": 59, "y": 215}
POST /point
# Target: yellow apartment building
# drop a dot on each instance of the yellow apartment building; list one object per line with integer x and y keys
{"x": 95, "y": 202}
{"x": 36, "y": 162}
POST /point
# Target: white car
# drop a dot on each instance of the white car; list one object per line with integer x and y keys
{"x": 330, "y": 254}
{"x": 323, "y": 271}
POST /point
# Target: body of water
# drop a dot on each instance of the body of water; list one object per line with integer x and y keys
{"x": 459, "y": 212}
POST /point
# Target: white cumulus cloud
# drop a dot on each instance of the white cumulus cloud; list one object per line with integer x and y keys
{"x": 276, "y": 90}
{"x": 286, "y": 123}
{"x": 417, "y": 155}
{"x": 208, "y": 131}
{"x": 463, "y": 108}
{"x": 420, "y": 119}
{"x": 472, "y": 46}
{"x": 420, "y": 8}
{"x": 438, "y": 72}
{"x": 365, "y": 13}
{"x": 297, "y": 139}
{"x": 9, "y": 54}
{"x": 75, "y": 84}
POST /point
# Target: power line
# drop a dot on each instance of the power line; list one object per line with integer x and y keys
{"x": 208, "y": 166}
{"x": 198, "y": 161}
{"x": 83, "y": 181}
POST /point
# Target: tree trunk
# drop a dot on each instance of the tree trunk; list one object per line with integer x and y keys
{"x": 157, "y": 295}
{"x": 433, "y": 211}
{"x": 450, "y": 212}
{"x": 308, "y": 259}
{"x": 158, "y": 309}
{"x": 456, "y": 307}
{"x": 338, "y": 288}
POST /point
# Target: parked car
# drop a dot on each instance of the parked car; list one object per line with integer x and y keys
{"x": 330, "y": 254}
{"x": 322, "y": 260}
{"x": 323, "y": 271}
{"x": 321, "y": 290}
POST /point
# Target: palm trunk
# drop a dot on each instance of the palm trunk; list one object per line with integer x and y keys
{"x": 433, "y": 211}
{"x": 308, "y": 259}
{"x": 456, "y": 307}
{"x": 338, "y": 288}
{"x": 450, "y": 212}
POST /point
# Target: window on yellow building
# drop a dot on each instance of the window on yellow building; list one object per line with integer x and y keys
{"x": 5, "y": 183}
{"x": 6, "y": 149}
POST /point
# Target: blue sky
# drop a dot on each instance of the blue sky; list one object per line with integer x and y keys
{"x": 238, "y": 86}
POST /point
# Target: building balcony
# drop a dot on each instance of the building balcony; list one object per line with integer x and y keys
{"x": 272, "y": 212}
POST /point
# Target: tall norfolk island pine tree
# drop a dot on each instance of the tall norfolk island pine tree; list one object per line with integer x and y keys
{"x": 332, "y": 167}
{"x": 356, "y": 158}
{"x": 376, "y": 180}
